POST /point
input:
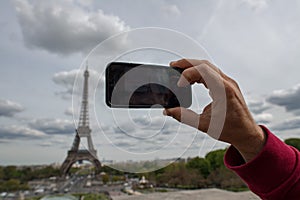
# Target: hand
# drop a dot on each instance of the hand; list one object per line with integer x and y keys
{"x": 239, "y": 128}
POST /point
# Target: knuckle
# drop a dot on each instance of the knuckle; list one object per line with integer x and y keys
{"x": 206, "y": 62}
{"x": 233, "y": 82}
{"x": 191, "y": 74}
{"x": 186, "y": 74}
{"x": 230, "y": 89}
{"x": 183, "y": 61}
{"x": 203, "y": 69}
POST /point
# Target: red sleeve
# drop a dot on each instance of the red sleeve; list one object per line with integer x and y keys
{"x": 273, "y": 174}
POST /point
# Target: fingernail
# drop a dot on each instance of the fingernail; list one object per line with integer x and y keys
{"x": 165, "y": 113}
{"x": 172, "y": 63}
{"x": 182, "y": 82}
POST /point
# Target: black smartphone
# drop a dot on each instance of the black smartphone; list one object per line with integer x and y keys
{"x": 135, "y": 85}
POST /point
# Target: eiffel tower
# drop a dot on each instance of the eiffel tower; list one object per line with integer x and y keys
{"x": 83, "y": 131}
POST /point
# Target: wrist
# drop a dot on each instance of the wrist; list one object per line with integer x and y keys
{"x": 252, "y": 144}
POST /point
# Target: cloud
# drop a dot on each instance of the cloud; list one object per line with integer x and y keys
{"x": 69, "y": 111}
{"x": 152, "y": 123}
{"x": 147, "y": 133}
{"x": 85, "y": 3}
{"x": 4, "y": 141}
{"x": 66, "y": 79}
{"x": 54, "y": 141}
{"x": 293, "y": 123}
{"x": 263, "y": 49}
{"x": 125, "y": 144}
{"x": 53, "y": 126}
{"x": 257, "y": 107}
{"x": 20, "y": 132}
{"x": 263, "y": 118}
{"x": 143, "y": 127}
{"x": 45, "y": 144}
{"x": 171, "y": 10}
{"x": 123, "y": 129}
{"x": 289, "y": 99}
{"x": 9, "y": 108}
{"x": 65, "y": 27}
{"x": 256, "y": 4}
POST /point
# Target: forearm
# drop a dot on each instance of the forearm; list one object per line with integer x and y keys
{"x": 252, "y": 143}
{"x": 272, "y": 174}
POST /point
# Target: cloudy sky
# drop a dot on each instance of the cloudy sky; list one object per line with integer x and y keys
{"x": 44, "y": 45}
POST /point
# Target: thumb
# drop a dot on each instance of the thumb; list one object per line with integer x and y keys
{"x": 184, "y": 115}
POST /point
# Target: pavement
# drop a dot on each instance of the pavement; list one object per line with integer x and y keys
{"x": 203, "y": 194}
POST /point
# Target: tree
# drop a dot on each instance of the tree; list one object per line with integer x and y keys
{"x": 12, "y": 185}
{"x": 177, "y": 175}
{"x": 215, "y": 158}
{"x": 200, "y": 164}
{"x": 295, "y": 142}
{"x": 26, "y": 174}
{"x": 105, "y": 178}
{"x": 225, "y": 179}
{"x": 1, "y": 173}
{"x": 10, "y": 172}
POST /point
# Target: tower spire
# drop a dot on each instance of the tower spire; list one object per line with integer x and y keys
{"x": 83, "y": 130}
{"x": 84, "y": 111}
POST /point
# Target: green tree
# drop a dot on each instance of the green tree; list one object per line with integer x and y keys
{"x": 46, "y": 172}
{"x": 12, "y": 185}
{"x": 111, "y": 171}
{"x": 295, "y": 142}
{"x": 215, "y": 158}
{"x": 26, "y": 174}
{"x": 200, "y": 164}
{"x": 1, "y": 173}
{"x": 117, "y": 178}
{"x": 105, "y": 178}
{"x": 10, "y": 172}
{"x": 225, "y": 179}
{"x": 177, "y": 175}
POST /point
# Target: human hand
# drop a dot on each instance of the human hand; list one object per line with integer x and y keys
{"x": 239, "y": 127}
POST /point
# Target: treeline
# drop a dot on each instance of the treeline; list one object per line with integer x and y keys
{"x": 193, "y": 173}
{"x": 14, "y": 178}
{"x": 198, "y": 173}
{"x": 206, "y": 172}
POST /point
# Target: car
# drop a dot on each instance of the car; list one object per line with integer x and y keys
{"x": 66, "y": 190}
{"x": 3, "y": 194}
{"x": 39, "y": 191}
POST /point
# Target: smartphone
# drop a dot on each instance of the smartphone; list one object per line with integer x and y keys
{"x": 136, "y": 85}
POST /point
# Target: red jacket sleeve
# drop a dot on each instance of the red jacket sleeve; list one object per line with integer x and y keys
{"x": 273, "y": 174}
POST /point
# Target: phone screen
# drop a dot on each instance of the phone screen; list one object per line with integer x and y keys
{"x": 133, "y": 85}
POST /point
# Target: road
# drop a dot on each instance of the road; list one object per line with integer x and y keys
{"x": 86, "y": 184}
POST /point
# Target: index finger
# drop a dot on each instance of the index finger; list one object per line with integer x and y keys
{"x": 185, "y": 63}
{"x": 203, "y": 74}
{"x": 188, "y": 63}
